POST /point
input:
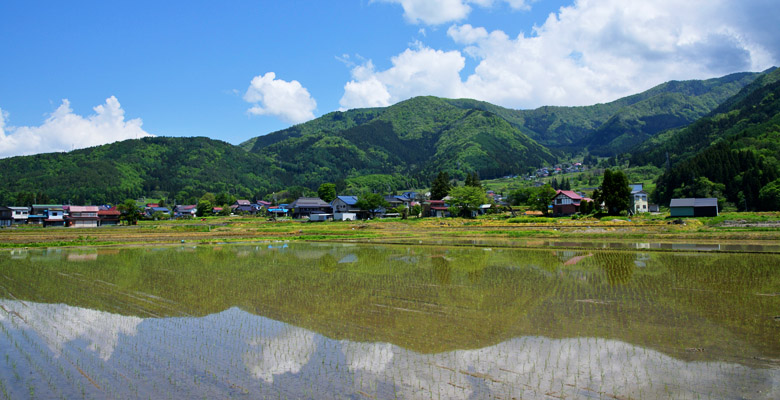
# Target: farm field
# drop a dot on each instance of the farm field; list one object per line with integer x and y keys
{"x": 737, "y": 232}
{"x": 600, "y": 318}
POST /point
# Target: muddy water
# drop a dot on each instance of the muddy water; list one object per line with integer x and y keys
{"x": 353, "y": 321}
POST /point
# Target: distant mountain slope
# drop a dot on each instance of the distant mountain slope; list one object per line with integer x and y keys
{"x": 412, "y": 140}
{"x": 735, "y": 115}
{"x": 738, "y": 147}
{"x": 602, "y": 129}
{"x": 419, "y": 136}
{"x": 183, "y": 167}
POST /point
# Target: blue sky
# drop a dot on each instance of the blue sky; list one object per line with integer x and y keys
{"x": 77, "y": 74}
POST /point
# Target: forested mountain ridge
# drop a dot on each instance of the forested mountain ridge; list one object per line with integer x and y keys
{"x": 408, "y": 143}
{"x": 604, "y": 129}
{"x": 733, "y": 153}
{"x": 419, "y": 136}
{"x": 184, "y": 168}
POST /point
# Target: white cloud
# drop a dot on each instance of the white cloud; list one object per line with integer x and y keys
{"x": 435, "y": 12}
{"x": 288, "y": 101}
{"x": 593, "y": 51}
{"x": 419, "y": 71}
{"x": 63, "y": 130}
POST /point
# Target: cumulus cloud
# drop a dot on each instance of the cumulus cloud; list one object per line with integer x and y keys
{"x": 592, "y": 51}
{"x": 288, "y": 101}
{"x": 435, "y": 12}
{"x": 63, "y": 130}
{"x": 415, "y": 71}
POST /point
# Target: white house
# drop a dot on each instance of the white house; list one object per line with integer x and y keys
{"x": 639, "y": 202}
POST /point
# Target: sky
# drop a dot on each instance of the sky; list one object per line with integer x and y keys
{"x": 80, "y": 74}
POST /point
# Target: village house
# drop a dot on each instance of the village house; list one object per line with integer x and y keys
{"x": 638, "y": 199}
{"x": 13, "y": 215}
{"x": 148, "y": 208}
{"x": 263, "y": 205}
{"x": 151, "y": 211}
{"x": 567, "y": 202}
{"x": 344, "y": 208}
{"x": 185, "y": 211}
{"x": 279, "y": 211}
{"x": 53, "y": 214}
{"x": 693, "y": 207}
{"x": 82, "y": 216}
{"x": 436, "y": 208}
{"x": 305, "y": 206}
{"x": 243, "y": 206}
{"x": 108, "y": 216}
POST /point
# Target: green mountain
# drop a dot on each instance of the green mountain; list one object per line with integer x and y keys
{"x": 418, "y": 137}
{"x": 184, "y": 168}
{"x": 603, "y": 129}
{"x": 733, "y": 153}
{"x": 615, "y": 127}
{"x": 403, "y": 145}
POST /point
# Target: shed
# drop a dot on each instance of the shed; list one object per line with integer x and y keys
{"x": 315, "y": 216}
{"x": 694, "y": 207}
{"x": 346, "y": 216}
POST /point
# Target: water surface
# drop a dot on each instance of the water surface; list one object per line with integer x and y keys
{"x": 304, "y": 320}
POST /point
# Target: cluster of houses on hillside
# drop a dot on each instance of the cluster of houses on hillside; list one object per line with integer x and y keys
{"x": 342, "y": 208}
{"x": 557, "y": 169}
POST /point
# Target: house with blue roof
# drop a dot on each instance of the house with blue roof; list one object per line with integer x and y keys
{"x": 344, "y": 208}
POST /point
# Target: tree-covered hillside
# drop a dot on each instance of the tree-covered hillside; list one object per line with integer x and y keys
{"x": 407, "y": 144}
{"x": 603, "y": 129}
{"x": 612, "y": 128}
{"x": 733, "y": 153}
{"x": 184, "y": 168}
{"x": 416, "y": 137}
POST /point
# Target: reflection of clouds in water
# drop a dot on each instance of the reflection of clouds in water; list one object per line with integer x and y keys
{"x": 528, "y": 368}
{"x": 369, "y": 357}
{"x": 534, "y": 367}
{"x": 59, "y": 324}
{"x": 287, "y": 351}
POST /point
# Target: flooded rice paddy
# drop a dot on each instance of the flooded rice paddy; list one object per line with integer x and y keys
{"x": 314, "y": 320}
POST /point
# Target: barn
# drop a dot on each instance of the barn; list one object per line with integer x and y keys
{"x": 690, "y": 207}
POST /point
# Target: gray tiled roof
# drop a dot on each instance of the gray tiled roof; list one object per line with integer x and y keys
{"x": 690, "y": 202}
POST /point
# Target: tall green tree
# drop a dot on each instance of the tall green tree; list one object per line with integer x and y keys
{"x": 440, "y": 187}
{"x": 769, "y": 196}
{"x": 327, "y": 192}
{"x": 415, "y": 210}
{"x": 129, "y": 212}
{"x": 614, "y": 192}
{"x": 371, "y": 202}
{"x": 204, "y": 208}
{"x": 521, "y": 196}
{"x": 466, "y": 199}
{"x": 472, "y": 179}
{"x": 225, "y": 198}
{"x": 542, "y": 198}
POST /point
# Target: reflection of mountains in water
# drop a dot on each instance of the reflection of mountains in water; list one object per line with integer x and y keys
{"x": 69, "y": 349}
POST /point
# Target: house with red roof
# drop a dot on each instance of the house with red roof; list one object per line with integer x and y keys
{"x": 566, "y": 202}
{"x": 108, "y": 216}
